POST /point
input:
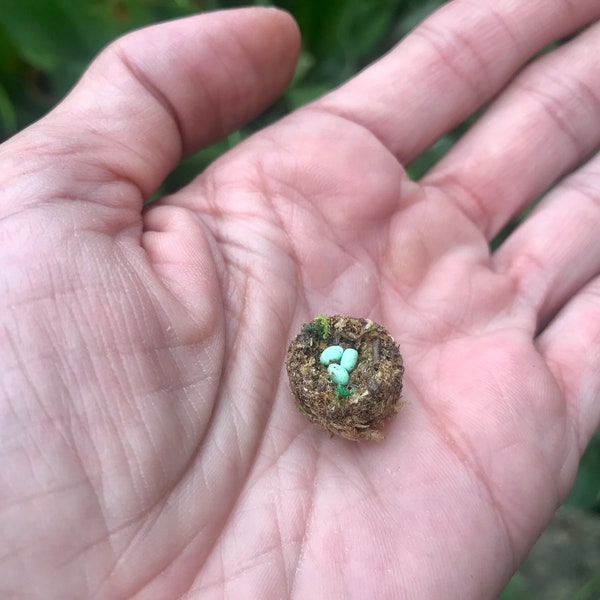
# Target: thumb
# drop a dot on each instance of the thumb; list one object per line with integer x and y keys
{"x": 153, "y": 96}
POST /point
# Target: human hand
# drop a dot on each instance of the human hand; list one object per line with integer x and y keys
{"x": 149, "y": 442}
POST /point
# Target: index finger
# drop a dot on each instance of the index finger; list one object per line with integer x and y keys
{"x": 450, "y": 66}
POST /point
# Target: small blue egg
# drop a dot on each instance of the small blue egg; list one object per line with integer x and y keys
{"x": 338, "y": 374}
{"x": 331, "y": 354}
{"x": 349, "y": 359}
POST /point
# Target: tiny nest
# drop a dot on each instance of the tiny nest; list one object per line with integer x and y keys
{"x": 358, "y": 409}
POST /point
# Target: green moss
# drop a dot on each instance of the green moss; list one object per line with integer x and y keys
{"x": 341, "y": 391}
{"x": 319, "y": 328}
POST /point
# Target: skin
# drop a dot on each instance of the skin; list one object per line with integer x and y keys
{"x": 150, "y": 447}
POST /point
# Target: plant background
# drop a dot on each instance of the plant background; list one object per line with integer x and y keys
{"x": 46, "y": 44}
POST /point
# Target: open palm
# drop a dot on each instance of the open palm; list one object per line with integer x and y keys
{"x": 149, "y": 443}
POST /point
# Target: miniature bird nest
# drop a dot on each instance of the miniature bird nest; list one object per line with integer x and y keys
{"x": 356, "y": 411}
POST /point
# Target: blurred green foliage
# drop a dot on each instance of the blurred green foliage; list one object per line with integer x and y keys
{"x": 586, "y": 491}
{"x": 46, "y": 44}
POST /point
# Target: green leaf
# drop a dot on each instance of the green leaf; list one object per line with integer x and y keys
{"x": 590, "y": 590}
{"x": 44, "y": 32}
{"x": 8, "y": 115}
{"x": 418, "y": 11}
{"x": 586, "y": 490}
{"x": 516, "y": 589}
{"x": 303, "y": 94}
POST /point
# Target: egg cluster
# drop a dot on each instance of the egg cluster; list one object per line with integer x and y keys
{"x": 340, "y": 363}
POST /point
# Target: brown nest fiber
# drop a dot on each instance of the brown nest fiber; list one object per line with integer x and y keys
{"x": 359, "y": 409}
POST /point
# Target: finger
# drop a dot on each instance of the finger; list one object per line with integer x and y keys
{"x": 451, "y": 65}
{"x": 556, "y": 251}
{"x": 545, "y": 124}
{"x": 571, "y": 346}
{"x": 156, "y": 94}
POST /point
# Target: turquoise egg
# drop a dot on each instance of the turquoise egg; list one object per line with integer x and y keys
{"x": 338, "y": 374}
{"x": 331, "y": 354}
{"x": 349, "y": 359}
